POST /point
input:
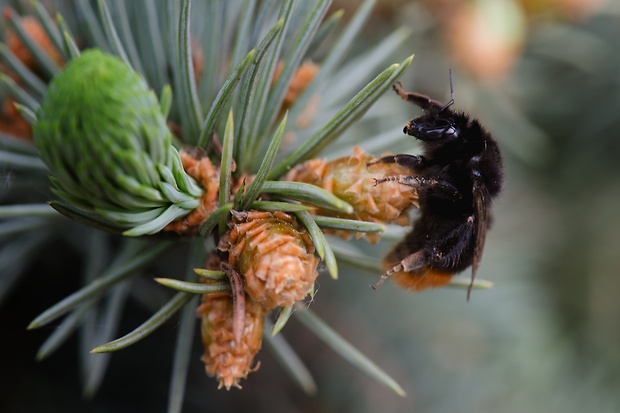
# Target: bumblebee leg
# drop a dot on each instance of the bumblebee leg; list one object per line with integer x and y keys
{"x": 408, "y": 161}
{"x": 411, "y": 263}
{"x": 421, "y": 183}
{"x": 417, "y": 99}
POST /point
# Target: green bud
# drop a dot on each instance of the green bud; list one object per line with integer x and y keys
{"x": 101, "y": 132}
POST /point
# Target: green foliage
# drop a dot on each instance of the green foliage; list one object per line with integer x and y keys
{"x": 106, "y": 140}
{"x": 101, "y": 132}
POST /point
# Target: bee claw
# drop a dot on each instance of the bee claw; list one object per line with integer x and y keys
{"x": 377, "y": 285}
{"x": 380, "y": 181}
{"x": 398, "y": 88}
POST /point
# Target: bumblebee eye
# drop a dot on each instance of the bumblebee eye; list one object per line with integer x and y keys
{"x": 453, "y": 131}
{"x": 432, "y": 129}
{"x": 450, "y": 131}
{"x": 445, "y": 128}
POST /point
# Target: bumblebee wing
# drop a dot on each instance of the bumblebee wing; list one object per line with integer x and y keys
{"x": 481, "y": 218}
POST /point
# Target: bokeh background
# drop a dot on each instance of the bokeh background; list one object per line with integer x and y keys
{"x": 544, "y": 77}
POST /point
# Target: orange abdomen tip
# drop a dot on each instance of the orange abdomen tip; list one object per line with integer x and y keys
{"x": 426, "y": 278}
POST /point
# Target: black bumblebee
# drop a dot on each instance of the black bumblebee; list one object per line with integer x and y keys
{"x": 456, "y": 177}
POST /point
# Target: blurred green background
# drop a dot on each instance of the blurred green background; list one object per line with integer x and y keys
{"x": 544, "y": 77}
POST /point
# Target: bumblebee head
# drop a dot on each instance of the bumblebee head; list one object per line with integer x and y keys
{"x": 433, "y": 127}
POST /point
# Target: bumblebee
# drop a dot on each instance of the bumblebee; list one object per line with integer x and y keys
{"x": 456, "y": 178}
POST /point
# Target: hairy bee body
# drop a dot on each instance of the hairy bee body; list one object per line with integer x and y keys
{"x": 456, "y": 177}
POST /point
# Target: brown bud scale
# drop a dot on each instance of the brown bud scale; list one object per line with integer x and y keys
{"x": 274, "y": 254}
{"x": 353, "y": 180}
{"x": 203, "y": 171}
{"x": 225, "y": 358}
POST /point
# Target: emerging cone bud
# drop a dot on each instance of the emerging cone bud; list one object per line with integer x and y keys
{"x": 11, "y": 121}
{"x": 299, "y": 82}
{"x": 229, "y": 361}
{"x": 274, "y": 254}
{"x": 101, "y": 132}
{"x": 204, "y": 172}
{"x": 353, "y": 180}
{"x": 37, "y": 34}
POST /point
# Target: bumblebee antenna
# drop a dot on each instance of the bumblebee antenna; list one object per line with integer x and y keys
{"x": 451, "y": 102}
